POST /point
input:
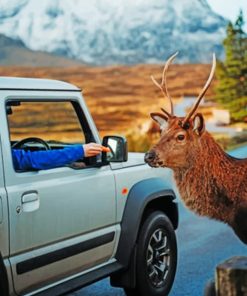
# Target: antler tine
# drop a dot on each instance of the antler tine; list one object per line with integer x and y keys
{"x": 202, "y": 93}
{"x": 164, "y": 111}
{"x": 163, "y": 86}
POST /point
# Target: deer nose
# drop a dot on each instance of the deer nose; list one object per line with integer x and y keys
{"x": 149, "y": 156}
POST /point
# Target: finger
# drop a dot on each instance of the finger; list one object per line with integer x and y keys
{"x": 93, "y": 153}
{"x": 105, "y": 149}
{"x": 95, "y": 150}
{"x": 95, "y": 145}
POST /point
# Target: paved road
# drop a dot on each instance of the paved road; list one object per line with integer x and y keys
{"x": 202, "y": 244}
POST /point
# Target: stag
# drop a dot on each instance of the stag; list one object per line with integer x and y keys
{"x": 210, "y": 182}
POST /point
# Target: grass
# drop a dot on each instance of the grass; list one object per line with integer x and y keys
{"x": 230, "y": 143}
{"x": 120, "y": 98}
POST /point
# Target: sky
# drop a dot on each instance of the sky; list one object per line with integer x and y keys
{"x": 230, "y": 8}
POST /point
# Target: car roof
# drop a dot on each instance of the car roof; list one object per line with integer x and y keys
{"x": 17, "y": 83}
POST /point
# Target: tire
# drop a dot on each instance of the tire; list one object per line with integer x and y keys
{"x": 156, "y": 260}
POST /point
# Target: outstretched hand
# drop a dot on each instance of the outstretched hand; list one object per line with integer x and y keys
{"x": 92, "y": 149}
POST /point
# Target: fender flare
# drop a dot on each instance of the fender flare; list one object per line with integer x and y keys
{"x": 140, "y": 195}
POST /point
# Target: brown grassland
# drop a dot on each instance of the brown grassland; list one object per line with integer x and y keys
{"x": 120, "y": 98}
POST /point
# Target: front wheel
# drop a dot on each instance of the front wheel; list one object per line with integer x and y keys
{"x": 156, "y": 257}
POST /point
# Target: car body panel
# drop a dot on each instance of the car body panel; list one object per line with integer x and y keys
{"x": 4, "y": 226}
{"x": 130, "y": 173}
{"x": 67, "y": 206}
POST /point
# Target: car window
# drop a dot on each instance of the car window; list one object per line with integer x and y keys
{"x": 37, "y": 126}
{"x": 50, "y": 121}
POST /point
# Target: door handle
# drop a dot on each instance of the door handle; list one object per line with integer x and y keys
{"x": 30, "y": 202}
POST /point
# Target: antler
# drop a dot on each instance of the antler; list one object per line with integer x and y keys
{"x": 202, "y": 93}
{"x": 163, "y": 87}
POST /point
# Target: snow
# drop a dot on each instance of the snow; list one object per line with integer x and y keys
{"x": 119, "y": 31}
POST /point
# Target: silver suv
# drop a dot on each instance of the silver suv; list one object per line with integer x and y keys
{"x": 66, "y": 227}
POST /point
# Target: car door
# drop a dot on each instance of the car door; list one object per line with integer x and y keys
{"x": 62, "y": 220}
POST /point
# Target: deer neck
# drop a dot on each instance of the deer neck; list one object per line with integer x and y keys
{"x": 206, "y": 155}
{"x": 201, "y": 184}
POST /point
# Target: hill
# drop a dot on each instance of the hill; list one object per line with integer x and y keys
{"x": 13, "y": 52}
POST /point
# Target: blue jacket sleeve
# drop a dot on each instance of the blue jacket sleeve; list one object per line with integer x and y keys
{"x": 41, "y": 160}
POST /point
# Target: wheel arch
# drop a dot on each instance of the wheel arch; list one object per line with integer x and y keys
{"x": 144, "y": 197}
{"x": 164, "y": 204}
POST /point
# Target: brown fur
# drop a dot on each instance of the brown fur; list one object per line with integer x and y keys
{"x": 210, "y": 182}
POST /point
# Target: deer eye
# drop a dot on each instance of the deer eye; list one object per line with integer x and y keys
{"x": 180, "y": 137}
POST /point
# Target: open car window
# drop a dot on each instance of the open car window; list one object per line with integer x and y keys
{"x": 55, "y": 123}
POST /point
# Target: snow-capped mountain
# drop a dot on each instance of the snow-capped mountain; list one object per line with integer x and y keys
{"x": 15, "y": 53}
{"x": 115, "y": 31}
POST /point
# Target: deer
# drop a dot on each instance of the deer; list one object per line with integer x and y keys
{"x": 210, "y": 182}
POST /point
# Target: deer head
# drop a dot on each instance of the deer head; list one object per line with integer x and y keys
{"x": 180, "y": 136}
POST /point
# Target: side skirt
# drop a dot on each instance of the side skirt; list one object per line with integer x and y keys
{"x": 81, "y": 281}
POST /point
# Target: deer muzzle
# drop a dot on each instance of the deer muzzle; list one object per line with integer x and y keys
{"x": 150, "y": 157}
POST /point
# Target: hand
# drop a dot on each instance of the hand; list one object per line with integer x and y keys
{"x": 92, "y": 149}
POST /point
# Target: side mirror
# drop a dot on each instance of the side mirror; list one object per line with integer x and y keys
{"x": 119, "y": 149}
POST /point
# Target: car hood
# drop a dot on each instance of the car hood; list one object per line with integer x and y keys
{"x": 134, "y": 159}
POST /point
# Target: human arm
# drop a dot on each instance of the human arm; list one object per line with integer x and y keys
{"x": 41, "y": 160}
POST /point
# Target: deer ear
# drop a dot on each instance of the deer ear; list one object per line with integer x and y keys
{"x": 161, "y": 119}
{"x": 199, "y": 125}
